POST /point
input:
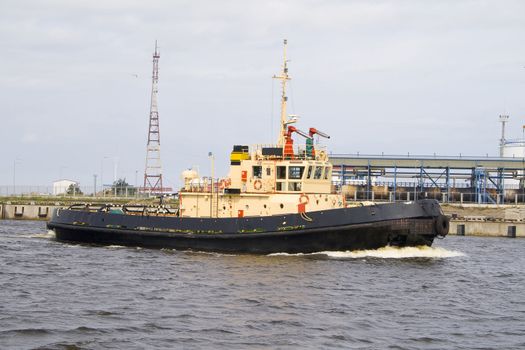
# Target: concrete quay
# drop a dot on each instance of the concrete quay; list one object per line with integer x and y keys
{"x": 26, "y": 211}
{"x": 42, "y": 209}
{"x": 486, "y": 220}
{"x": 509, "y": 229}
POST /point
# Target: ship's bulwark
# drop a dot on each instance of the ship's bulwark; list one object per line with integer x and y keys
{"x": 367, "y": 227}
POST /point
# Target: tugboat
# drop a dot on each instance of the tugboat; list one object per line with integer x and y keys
{"x": 276, "y": 198}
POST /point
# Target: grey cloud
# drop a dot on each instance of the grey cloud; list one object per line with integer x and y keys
{"x": 392, "y": 76}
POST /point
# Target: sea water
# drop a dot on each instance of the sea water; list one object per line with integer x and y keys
{"x": 462, "y": 293}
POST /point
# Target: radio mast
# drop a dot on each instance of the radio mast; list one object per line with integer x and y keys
{"x": 283, "y": 77}
{"x": 153, "y": 172}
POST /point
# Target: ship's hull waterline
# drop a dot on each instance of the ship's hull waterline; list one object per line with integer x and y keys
{"x": 354, "y": 228}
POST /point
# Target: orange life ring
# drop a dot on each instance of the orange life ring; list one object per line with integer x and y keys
{"x": 257, "y": 184}
{"x": 303, "y": 199}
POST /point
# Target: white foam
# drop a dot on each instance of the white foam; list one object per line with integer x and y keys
{"x": 387, "y": 253}
{"x": 50, "y": 234}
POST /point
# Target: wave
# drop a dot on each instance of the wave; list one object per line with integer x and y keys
{"x": 386, "y": 253}
{"x": 50, "y": 234}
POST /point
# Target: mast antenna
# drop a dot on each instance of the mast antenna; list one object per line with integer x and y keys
{"x": 283, "y": 77}
{"x": 153, "y": 171}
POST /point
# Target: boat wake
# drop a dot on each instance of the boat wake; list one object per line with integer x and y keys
{"x": 50, "y": 234}
{"x": 386, "y": 253}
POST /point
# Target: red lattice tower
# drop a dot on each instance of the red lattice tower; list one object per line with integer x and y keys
{"x": 153, "y": 172}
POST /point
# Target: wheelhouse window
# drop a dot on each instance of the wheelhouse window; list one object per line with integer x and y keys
{"x": 257, "y": 171}
{"x": 279, "y": 186}
{"x": 326, "y": 172}
{"x": 309, "y": 174}
{"x": 281, "y": 172}
{"x": 294, "y": 186}
{"x": 295, "y": 172}
{"x": 318, "y": 172}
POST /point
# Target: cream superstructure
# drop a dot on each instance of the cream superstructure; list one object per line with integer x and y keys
{"x": 265, "y": 180}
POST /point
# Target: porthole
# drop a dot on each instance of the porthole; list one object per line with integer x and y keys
{"x": 281, "y": 205}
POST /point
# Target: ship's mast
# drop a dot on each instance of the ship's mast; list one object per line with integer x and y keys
{"x": 283, "y": 77}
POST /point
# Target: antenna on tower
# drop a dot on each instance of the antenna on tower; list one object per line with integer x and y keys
{"x": 153, "y": 171}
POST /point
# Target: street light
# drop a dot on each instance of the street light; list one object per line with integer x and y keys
{"x": 115, "y": 168}
{"x": 17, "y": 160}
{"x": 102, "y": 175}
{"x": 136, "y": 188}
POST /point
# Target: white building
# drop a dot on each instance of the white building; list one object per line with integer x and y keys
{"x": 61, "y": 186}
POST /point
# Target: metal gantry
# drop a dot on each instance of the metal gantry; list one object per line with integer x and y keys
{"x": 473, "y": 179}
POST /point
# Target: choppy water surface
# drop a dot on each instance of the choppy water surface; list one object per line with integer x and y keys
{"x": 465, "y": 293}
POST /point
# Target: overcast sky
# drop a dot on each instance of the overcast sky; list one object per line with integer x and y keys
{"x": 379, "y": 76}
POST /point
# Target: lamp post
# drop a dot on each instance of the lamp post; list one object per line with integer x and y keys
{"x": 102, "y": 175}
{"x": 136, "y": 188}
{"x": 14, "y": 174}
{"x": 94, "y": 185}
{"x": 115, "y": 168}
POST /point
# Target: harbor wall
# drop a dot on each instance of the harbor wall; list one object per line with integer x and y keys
{"x": 494, "y": 220}
{"x": 510, "y": 229}
{"x": 26, "y": 211}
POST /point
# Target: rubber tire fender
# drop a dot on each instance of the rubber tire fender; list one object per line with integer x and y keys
{"x": 442, "y": 225}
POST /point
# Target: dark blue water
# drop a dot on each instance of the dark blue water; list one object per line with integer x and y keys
{"x": 467, "y": 293}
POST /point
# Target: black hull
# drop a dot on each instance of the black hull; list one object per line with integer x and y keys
{"x": 371, "y": 227}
